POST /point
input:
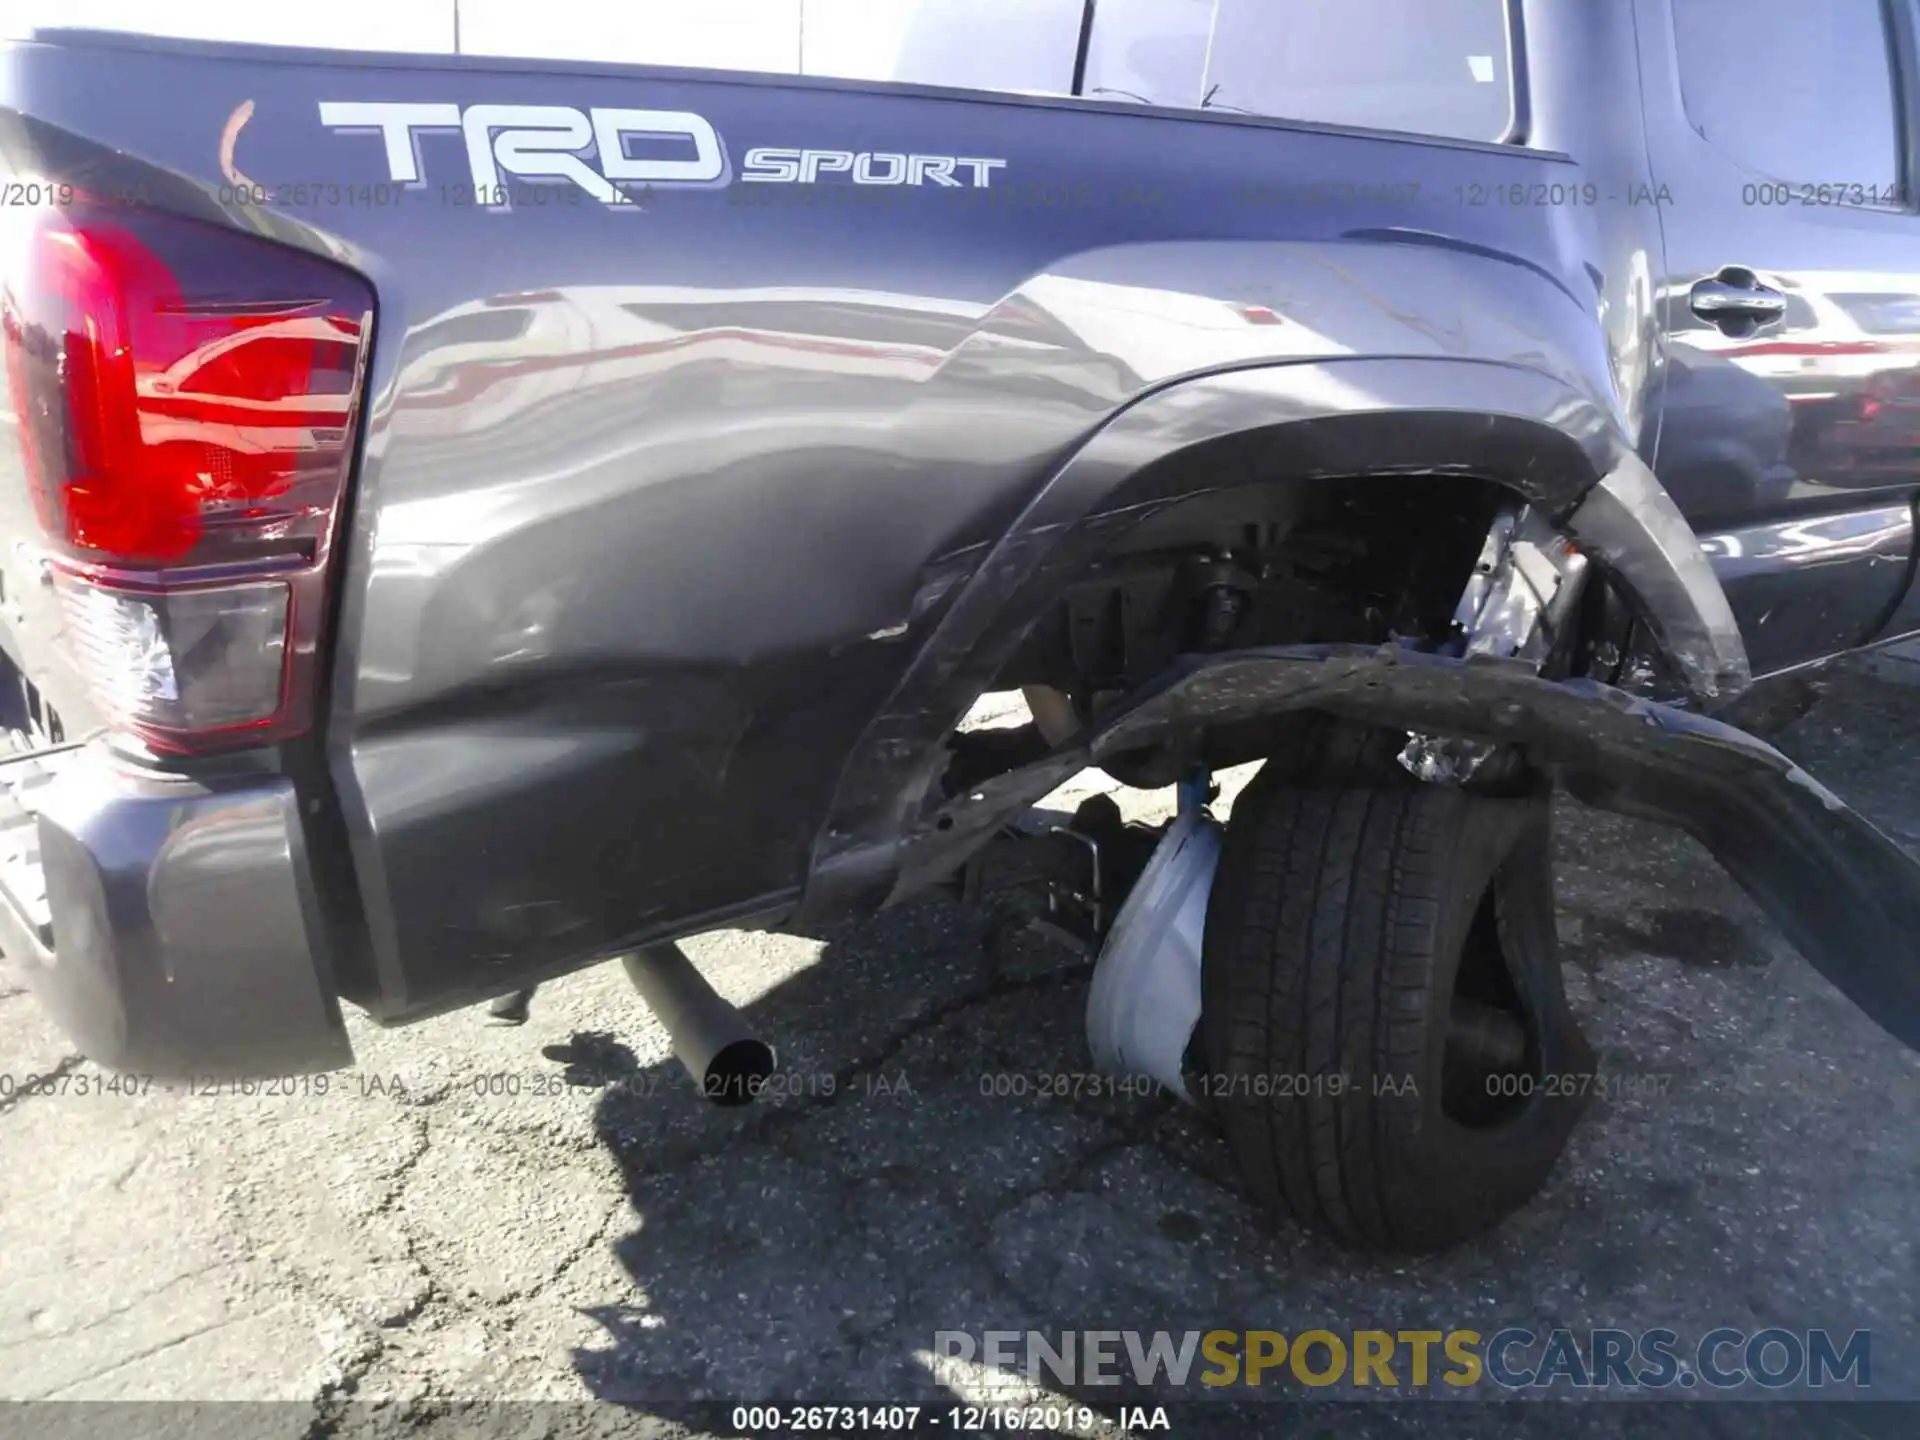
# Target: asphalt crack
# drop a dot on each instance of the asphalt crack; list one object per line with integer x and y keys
{"x": 574, "y": 1255}
{"x": 330, "y": 1402}
{"x": 385, "y": 1207}
{"x": 35, "y": 1085}
{"x": 171, "y": 1344}
{"x": 372, "y": 1339}
{"x": 93, "y": 1322}
{"x": 397, "y": 1181}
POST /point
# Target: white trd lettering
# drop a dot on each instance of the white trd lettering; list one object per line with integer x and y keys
{"x": 535, "y": 141}
{"x": 589, "y": 148}
{"x": 611, "y": 127}
{"x": 396, "y": 123}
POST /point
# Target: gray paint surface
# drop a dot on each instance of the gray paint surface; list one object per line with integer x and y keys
{"x": 661, "y": 507}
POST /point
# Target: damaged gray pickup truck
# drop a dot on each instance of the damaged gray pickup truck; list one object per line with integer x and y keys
{"x": 465, "y": 520}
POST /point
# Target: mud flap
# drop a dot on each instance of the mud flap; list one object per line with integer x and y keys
{"x": 1841, "y": 891}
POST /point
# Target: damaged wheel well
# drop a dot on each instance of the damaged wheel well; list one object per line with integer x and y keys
{"x": 1392, "y": 427}
{"x": 1357, "y": 559}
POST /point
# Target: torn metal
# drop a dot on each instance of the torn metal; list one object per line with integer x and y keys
{"x": 1631, "y": 527}
{"x": 1516, "y": 605}
{"x": 1522, "y": 589}
{"x": 1841, "y": 891}
{"x": 1443, "y": 759}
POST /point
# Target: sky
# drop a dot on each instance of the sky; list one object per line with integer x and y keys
{"x": 860, "y": 39}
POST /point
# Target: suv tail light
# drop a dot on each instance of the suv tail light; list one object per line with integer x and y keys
{"x": 186, "y": 396}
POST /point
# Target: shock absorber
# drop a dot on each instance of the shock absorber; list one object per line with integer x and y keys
{"x": 1225, "y": 595}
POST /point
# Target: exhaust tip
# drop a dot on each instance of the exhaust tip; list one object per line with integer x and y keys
{"x": 736, "y": 1075}
{"x": 728, "y": 1062}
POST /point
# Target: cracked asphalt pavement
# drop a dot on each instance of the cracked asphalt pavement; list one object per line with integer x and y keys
{"x": 548, "y": 1213}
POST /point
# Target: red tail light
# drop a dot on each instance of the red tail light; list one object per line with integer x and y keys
{"x": 186, "y": 397}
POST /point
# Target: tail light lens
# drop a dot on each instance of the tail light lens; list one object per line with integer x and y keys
{"x": 186, "y": 397}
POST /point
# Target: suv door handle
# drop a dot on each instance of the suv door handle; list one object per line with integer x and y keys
{"x": 1736, "y": 301}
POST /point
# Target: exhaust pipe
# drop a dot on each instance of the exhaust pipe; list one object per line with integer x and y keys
{"x": 710, "y": 1037}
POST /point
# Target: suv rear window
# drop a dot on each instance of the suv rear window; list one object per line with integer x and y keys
{"x": 1435, "y": 67}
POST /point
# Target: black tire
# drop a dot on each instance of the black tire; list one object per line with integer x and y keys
{"x": 1342, "y": 919}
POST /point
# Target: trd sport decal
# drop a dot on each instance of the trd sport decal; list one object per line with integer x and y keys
{"x": 589, "y": 148}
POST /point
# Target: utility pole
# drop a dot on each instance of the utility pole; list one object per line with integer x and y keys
{"x": 1206, "y": 65}
{"x": 1086, "y": 43}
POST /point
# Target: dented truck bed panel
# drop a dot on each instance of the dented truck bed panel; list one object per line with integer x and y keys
{"x": 658, "y": 501}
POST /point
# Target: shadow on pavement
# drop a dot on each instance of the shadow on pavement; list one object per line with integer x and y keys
{"x": 890, "y": 1183}
{"x": 906, "y": 1174}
